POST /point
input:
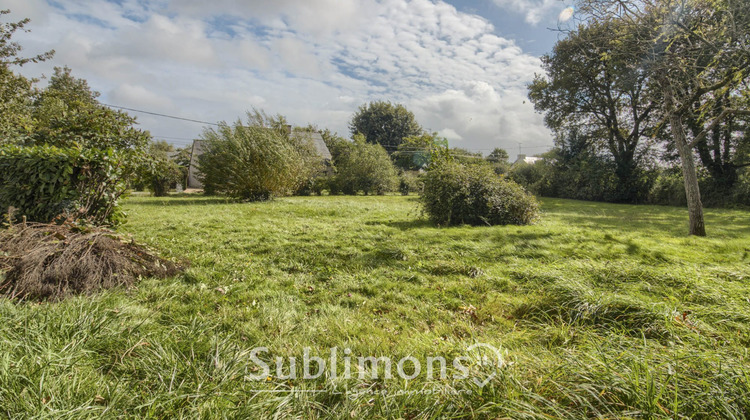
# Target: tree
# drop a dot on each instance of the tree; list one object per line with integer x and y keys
{"x": 721, "y": 151}
{"x": 15, "y": 107}
{"x": 466, "y": 156}
{"x": 253, "y": 160}
{"x": 385, "y": 124}
{"x": 9, "y": 50}
{"x": 182, "y": 159}
{"x": 67, "y": 113}
{"x": 415, "y": 151}
{"x": 67, "y": 154}
{"x": 335, "y": 143}
{"x": 15, "y": 90}
{"x": 692, "y": 52}
{"x": 589, "y": 82}
{"x": 498, "y": 155}
{"x": 364, "y": 167}
{"x": 159, "y": 172}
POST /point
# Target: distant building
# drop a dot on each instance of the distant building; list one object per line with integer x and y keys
{"x": 317, "y": 141}
{"x": 314, "y": 137}
{"x": 193, "y": 172}
{"x": 527, "y": 159}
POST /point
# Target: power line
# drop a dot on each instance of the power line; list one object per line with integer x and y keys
{"x": 157, "y": 114}
{"x": 161, "y": 115}
{"x": 173, "y": 138}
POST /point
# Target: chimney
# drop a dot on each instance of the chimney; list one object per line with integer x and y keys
{"x": 288, "y": 130}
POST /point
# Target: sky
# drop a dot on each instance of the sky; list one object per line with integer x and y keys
{"x": 460, "y": 66}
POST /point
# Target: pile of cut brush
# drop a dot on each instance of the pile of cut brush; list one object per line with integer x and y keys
{"x": 50, "y": 261}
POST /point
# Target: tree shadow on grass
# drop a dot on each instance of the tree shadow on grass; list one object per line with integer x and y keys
{"x": 403, "y": 224}
{"x": 188, "y": 200}
{"x": 647, "y": 219}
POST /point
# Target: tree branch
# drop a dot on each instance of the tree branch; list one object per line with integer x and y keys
{"x": 715, "y": 122}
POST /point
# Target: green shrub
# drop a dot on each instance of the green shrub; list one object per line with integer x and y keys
{"x": 455, "y": 194}
{"x": 251, "y": 162}
{"x": 668, "y": 189}
{"x": 409, "y": 182}
{"x": 531, "y": 176}
{"x": 363, "y": 167}
{"x": 742, "y": 188}
{"x": 163, "y": 174}
{"x": 313, "y": 186}
{"x": 42, "y": 182}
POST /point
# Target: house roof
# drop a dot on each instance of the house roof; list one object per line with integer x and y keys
{"x": 527, "y": 159}
{"x": 317, "y": 141}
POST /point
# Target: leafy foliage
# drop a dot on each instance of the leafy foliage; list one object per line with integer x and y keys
{"x": 591, "y": 86}
{"x": 67, "y": 114}
{"x": 158, "y": 171}
{"x": 15, "y": 90}
{"x": 9, "y": 50}
{"x": 16, "y": 122}
{"x": 363, "y": 167}
{"x": 498, "y": 155}
{"x": 253, "y": 162}
{"x": 62, "y": 151}
{"x": 410, "y": 182}
{"x": 42, "y": 182}
{"x": 414, "y": 152}
{"x": 385, "y": 124}
{"x": 456, "y": 194}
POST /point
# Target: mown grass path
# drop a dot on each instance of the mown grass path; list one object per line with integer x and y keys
{"x": 599, "y": 310}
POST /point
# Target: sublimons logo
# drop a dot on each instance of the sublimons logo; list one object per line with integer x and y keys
{"x": 479, "y": 363}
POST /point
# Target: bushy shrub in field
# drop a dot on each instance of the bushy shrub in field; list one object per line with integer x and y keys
{"x": 455, "y": 194}
{"x": 409, "y": 182}
{"x": 313, "y": 185}
{"x": 532, "y": 176}
{"x": 160, "y": 173}
{"x": 252, "y": 162}
{"x": 163, "y": 173}
{"x": 415, "y": 152}
{"x": 363, "y": 167}
{"x": 668, "y": 189}
{"x": 742, "y": 188}
{"x": 42, "y": 182}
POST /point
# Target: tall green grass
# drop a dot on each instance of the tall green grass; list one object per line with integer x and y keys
{"x": 600, "y": 310}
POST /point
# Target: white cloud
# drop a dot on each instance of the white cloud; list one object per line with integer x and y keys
{"x": 314, "y": 61}
{"x": 533, "y": 10}
{"x": 479, "y": 117}
{"x": 297, "y": 57}
{"x": 138, "y": 97}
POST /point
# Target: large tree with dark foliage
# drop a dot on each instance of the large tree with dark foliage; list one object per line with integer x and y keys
{"x": 689, "y": 54}
{"x": 591, "y": 85}
{"x": 385, "y": 124}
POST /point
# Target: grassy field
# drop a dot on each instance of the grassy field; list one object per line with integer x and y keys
{"x": 598, "y": 310}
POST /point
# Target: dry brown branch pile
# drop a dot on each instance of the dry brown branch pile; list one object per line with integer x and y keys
{"x": 50, "y": 261}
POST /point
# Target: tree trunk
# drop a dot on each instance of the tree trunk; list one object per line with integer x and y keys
{"x": 689, "y": 173}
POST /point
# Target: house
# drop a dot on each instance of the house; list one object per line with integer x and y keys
{"x": 197, "y": 150}
{"x": 314, "y": 137}
{"x": 527, "y": 159}
{"x": 317, "y": 141}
